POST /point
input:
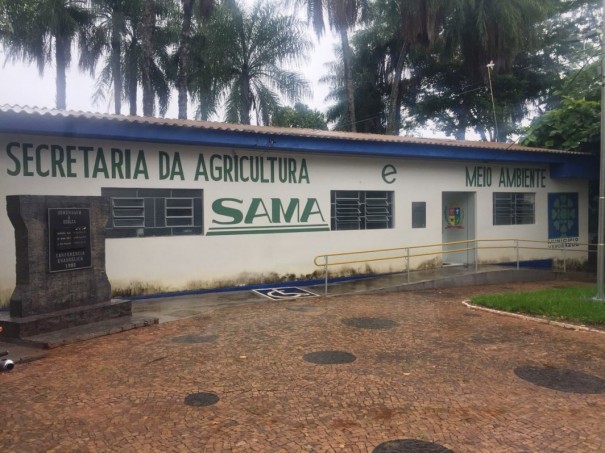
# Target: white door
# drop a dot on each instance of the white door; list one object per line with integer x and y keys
{"x": 458, "y": 225}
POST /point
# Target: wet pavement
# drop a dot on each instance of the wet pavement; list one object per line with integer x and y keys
{"x": 167, "y": 309}
{"x": 164, "y": 308}
{"x": 401, "y": 371}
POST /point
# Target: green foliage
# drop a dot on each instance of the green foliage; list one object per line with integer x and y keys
{"x": 370, "y": 107}
{"x": 414, "y": 64}
{"x": 301, "y": 116}
{"x": 572, "y": 304}
{"x": 444, "y": 48}
{"x": 5, "y": 26}
{"x": 247, "y": 54}
{"x": 44, "y": 31}
{"x": 575, "y": 126}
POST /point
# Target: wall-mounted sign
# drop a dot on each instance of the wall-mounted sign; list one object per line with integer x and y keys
{"x": 520, "y": 177}
{"x": 68, "y": 239}
{"x": 563, "y": 221}
{"x": 96, "y": 162}
{"x": 454, "y": 217}
{"x": 266, "y": 215}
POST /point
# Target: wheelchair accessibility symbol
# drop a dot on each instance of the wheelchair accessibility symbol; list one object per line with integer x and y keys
{"x": 284, "y": 293}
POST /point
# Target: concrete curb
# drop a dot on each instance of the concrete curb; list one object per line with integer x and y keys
{"x": 533, "y": 318}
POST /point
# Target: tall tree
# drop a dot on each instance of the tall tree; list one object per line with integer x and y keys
{"x": 204, "y": 10}
{"x": 478, "y": 33}
{"x": 45, "y": 30}
{"x": 148, "y": 31}
{"x": 369, "y": 87}
{"x": 122, "y": 70}
{"x": 108, "y": 37}
{"x": 155, "y": 63}
{"x": 435, "y": 55}
{"x": 5, "y": 27}
{"x": 343, "y": 15}
{"x": 247, "y": 54}
{"x": 419, "y": 23}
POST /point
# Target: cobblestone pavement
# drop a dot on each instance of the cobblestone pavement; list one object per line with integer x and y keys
{"x": 427, "y": 369}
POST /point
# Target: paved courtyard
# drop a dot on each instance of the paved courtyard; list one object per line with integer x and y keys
{"x": 421, "y": 372}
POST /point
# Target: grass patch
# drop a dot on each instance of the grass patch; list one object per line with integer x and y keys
{"x": 569, "y": 304}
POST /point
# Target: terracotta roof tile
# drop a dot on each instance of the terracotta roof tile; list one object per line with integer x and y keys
{"x": 277, "y": 131}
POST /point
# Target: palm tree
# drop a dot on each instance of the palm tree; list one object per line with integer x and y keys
{"x": 111, "y": 28}
{"x": 5, "y": 27}
{"x": 148, "y": 29}
{"x": 117, "y": 38}
{"x": 491, "y": 30}
{"x": 418, "y": 23}
{"x": 44, "y": 30}
{"x": 204, "y": 10}
{"x": 343, "y": 15}
{"x": 246, "y": 53}
{"x": 154, "y": 63}
{"x": 369, "y": 87}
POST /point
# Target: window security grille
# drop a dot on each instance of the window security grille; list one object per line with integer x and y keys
{"x": 153, "y": 212}
{"x": 128, "y": 212}
{"x": 361, "y": 210}
{"x": 179, "y": 212}
{"x": 511, "y": 208}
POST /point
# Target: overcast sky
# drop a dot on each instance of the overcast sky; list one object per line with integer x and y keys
{"x": 21, "y": 84}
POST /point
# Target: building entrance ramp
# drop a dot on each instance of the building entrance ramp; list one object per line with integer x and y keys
{"x": 176, "y": 307}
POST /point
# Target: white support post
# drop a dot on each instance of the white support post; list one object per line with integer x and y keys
{"x": 564, "y": 261}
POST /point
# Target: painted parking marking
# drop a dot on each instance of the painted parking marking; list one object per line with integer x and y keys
{"x": 291, "y": 292}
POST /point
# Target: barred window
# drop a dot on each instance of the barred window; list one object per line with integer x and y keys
{"x": 128, "y": 212}
{"x": 511, "y": 208}
{"x": 361, "y": 210}
{"x": 153, "y": 212}
{"x": 179, "y": 211}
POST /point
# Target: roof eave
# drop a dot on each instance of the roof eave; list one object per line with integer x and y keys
{"x": 257, "y": 138}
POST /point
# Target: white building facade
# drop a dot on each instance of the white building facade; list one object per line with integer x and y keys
{"x": 201, "y": 205}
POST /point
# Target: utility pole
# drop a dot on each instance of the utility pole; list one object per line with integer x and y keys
{"x": 601, "y": 236}
{"x": 490, "y": 68}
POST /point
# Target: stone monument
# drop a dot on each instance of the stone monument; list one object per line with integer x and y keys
{"x": 61, "y": 280}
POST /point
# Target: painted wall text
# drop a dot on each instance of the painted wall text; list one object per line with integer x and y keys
{"x": 79, "y": 161}
{"x": 482, "y": 176}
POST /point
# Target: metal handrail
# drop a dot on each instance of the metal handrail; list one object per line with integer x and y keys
{"x": 355, "y": 252}
{"x": 326, "y": 263}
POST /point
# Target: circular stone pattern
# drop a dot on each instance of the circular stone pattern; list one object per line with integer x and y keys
{"x": 410, "y": 446}
{"x": 560, "y": 379}
{"x": 193, "y": 339}
{"x": 329, "y": 357}
{"x": 370, "y": 323}
{"x": 201, "y": 399}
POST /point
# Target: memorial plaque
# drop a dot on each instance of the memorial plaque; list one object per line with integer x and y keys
{"x": 68, "y": 239}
